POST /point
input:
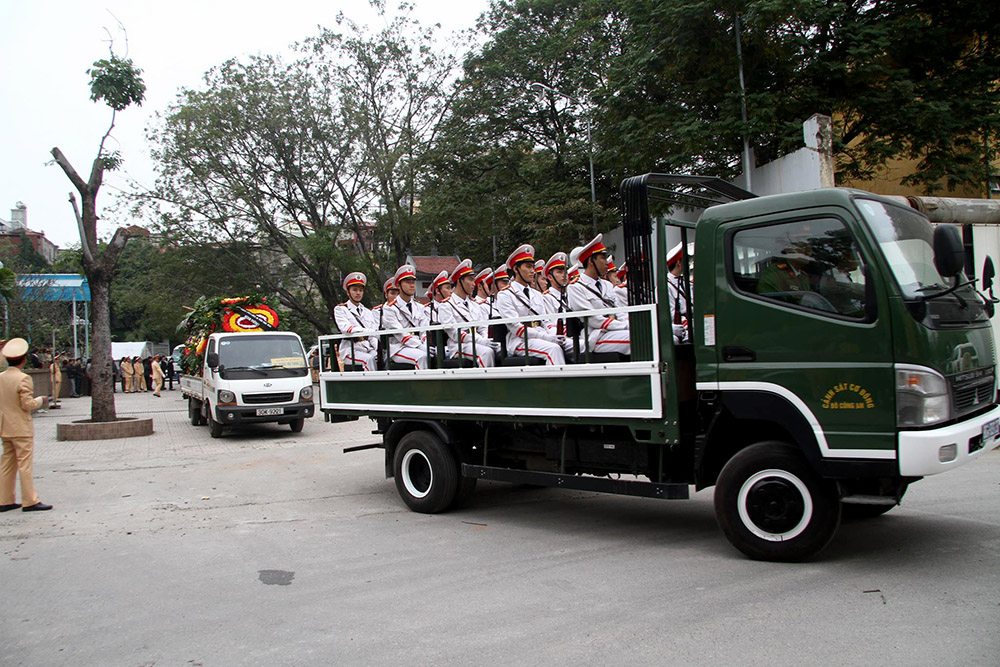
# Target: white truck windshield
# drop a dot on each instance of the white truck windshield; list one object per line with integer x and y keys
{"x": 259, "y": 356}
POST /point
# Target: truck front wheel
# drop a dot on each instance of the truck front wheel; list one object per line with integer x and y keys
{"x": 297, "y": 424}
{"x": 194, "y": 412}
{"x": 772, "y": 506}
{"x": 426, "y": 472}
{"x": 214, "y": 427}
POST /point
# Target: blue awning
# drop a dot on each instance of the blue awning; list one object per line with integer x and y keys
{"x": 54, "y": 286}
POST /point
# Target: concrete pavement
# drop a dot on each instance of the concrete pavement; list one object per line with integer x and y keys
{"x": 267, "y": 547}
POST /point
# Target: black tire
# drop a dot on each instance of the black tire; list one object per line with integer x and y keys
{"x": 297, "y": 424}
{"x": 772, "y": 506}
{"x": 426, "y": 472}
{"x": 194, "y": 411}
{"x": 463, "y": 495}
{"x": 214, "y": 427}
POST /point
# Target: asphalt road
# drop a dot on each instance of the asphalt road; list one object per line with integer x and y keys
{"x": 267, "y": 547}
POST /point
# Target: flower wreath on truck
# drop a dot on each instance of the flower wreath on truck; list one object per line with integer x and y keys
{"x": 212, "y": 314}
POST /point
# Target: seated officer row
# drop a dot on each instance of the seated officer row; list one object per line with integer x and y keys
{"x": 520, "y": 288}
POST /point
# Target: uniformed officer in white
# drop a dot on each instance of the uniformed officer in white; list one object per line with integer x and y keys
{"x": 605, "y": 333}
{"x": 555, "y": 272}
{"x": 405, "y": 312}
{"x": 621, "y": 287}
{"x": 541, "y": 282}
{"x": 520, "y": 300}
{"x": 678, "y": 296}
{"x": 353, "y": 318}
{"x": 482, "y": 300}
{"x": 459, "y": 309}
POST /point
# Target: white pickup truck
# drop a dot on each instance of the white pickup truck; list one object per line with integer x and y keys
{"x": 250, "y": 377}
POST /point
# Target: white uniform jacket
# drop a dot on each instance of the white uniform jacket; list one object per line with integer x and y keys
{"x": 605, "y": 333}
{"x": 460, "y": 311}
{"x": 351, "y": 319}
{"x": 399, "y": 314}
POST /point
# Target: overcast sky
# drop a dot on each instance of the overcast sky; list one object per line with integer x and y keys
{"x": 47, "y": 46}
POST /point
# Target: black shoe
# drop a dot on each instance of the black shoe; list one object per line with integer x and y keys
{"x": 37, "y": 507}
{"x": 7, "y": 508}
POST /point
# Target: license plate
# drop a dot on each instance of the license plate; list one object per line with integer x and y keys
{"x": 991, "y": 429}
{"x": 266, "y": 412}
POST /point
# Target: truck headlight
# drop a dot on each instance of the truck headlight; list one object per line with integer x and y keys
{"x": 226, "y": 396}
{"x": 306, "y": 393}
{"x": 921, "y": 397}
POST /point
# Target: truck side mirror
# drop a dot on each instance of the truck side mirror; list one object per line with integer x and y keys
{"x": 212, "y": 359}
{"x": 988, "y": 273}
{"x": 949, "y": 252}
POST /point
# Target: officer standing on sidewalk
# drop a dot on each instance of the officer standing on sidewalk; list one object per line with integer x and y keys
{"x": 17, "y": 400}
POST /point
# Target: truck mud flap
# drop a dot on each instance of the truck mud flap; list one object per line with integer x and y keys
{"x": 579, "y": 482}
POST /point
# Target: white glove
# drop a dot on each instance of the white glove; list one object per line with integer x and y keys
{"x": 680, "y": 332}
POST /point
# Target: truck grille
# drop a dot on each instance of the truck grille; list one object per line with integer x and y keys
{"x": 972, "y": 390}
{"x": 277, "y": 397}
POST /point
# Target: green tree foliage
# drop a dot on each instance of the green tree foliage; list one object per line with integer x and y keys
{"x": 308, "y": 170}
{"x": 283, "y": 167}
{"x": 511, "y": 168}
{"x": 901, "y": 79}
{"x": 117, "y": 82}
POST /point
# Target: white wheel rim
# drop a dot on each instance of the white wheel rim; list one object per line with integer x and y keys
{"x": 807, "y": 505}
{"x": 411, "y": 488}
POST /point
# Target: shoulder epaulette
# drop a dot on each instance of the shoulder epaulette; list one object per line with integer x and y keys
{"x": 340, "y": 304}
{"x": 391, "y": 302}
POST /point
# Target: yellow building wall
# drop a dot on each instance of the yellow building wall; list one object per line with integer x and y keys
{"x": 889, "y": 182}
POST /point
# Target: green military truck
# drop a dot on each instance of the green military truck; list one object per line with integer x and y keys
{"x": 836, "y": 354}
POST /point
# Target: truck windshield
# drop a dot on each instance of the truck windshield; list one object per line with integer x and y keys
{"x": 907, "y": 242}
{"x": 243, "y": 356}
{"x": 906, "y": 239}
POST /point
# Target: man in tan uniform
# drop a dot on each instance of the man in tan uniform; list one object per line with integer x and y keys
{"x": 17, "y": 400}
{"x": 55, "y": 379}
{"x": 126, "y": 370}
{"x": 138, "y": 375}
{"x": 157, "y": 376}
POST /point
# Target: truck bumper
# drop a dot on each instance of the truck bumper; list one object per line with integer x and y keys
{"x": 244, "y": 414}
{"x": 936, "y": 450}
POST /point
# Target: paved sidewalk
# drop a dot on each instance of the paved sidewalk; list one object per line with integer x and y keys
{"x": 174, "y": 436}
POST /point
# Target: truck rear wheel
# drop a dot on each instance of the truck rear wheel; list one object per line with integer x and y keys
{"x": 772, "y": 506}
{"x": 426, "y": 472}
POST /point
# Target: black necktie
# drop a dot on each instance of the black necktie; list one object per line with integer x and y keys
{"x": 526, "y": 291}
{"x": 409, "y": 306}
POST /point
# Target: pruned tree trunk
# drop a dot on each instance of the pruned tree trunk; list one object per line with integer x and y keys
{"x": 100, "y": 268}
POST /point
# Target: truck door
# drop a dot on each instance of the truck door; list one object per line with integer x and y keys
{"x": 802, "y": 325}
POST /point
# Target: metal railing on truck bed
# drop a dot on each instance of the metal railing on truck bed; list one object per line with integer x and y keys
{"x": 627, "y": 389}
